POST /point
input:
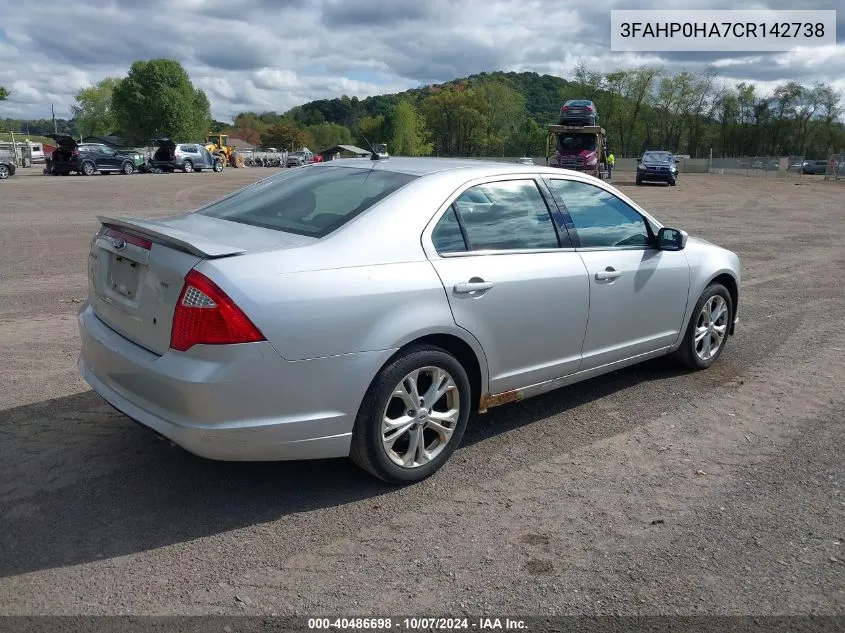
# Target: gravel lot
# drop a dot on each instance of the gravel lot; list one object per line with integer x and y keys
{"x": 650, "y": 491}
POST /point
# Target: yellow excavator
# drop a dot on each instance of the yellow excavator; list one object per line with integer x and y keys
{"x": 216, "y": 143}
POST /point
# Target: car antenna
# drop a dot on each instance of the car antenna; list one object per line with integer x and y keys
{"x": 374, "y": 154}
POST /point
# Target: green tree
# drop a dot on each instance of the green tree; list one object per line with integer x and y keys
{"x": 504, "y": 112}
{"x": 93, "y": 111}
{"x": 457, "y": 120}
{"x": 326, "y": 135}
{"x": 157, "y": 98}
{"x": 285, "y": 135}
{"x": 529, "y": 139}
{"x": 4, "y": 94}
{"x": 373, "y": 129}
{"x": 409, "y": 132}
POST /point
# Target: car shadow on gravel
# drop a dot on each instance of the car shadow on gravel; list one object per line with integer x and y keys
{"x": 82, "y": 483}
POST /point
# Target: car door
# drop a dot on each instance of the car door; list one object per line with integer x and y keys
{"x": 638, "y": 293}
{"x": 107, "y": 159}
{"x": 513, "y": 280}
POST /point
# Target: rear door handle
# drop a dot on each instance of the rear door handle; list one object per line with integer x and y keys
{"x": 608, "y": 273}
{"x": 472, "y": 286}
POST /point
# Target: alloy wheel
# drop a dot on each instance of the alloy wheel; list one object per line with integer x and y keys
{"x": 711, "y": 328}
{"x": 420, "y": 417}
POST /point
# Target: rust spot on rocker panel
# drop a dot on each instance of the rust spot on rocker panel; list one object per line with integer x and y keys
{"x": 490, "y": 400}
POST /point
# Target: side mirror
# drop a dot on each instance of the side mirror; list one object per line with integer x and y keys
{"x": 639, "y": 160}
{"x": 677, "y": 161}
{"x": 671, "y": 239}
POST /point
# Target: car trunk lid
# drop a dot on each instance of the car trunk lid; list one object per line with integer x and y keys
{"x": 137, "y": 267}
{"x": 64, "y": 141}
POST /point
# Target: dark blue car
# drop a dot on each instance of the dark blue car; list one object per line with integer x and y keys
{"x": 657, "y": 166}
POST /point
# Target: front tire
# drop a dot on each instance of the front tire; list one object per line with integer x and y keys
{"x": 673, "y": 182}
{"x": 218, "y": 166}
{"x": 128, "y": 168}
{"x": 413, "y": 416}
{"x": 707, "y": 332}
{"x": 4, "y": 172}
{"x": 639, "y": 181}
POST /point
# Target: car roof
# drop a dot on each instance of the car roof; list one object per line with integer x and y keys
{"x": 425, "y": 166}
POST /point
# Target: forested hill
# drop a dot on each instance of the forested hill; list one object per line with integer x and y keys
{"x": 504, "y": 114}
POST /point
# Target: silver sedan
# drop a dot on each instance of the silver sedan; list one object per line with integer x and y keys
{"x": 366, "y": 308}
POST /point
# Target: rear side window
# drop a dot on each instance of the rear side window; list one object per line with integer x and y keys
{"x": 312, "y": 202}
{"x": 447, "y": 236}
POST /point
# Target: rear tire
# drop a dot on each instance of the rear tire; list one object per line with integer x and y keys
{"x": 88, "y": 169}
{"x": 703, "y": 331}
{"x": 639, "y": 181}
{"x": 218, "y": 166}
{"x": 187, "y": 167}
{"x": 4, "y": 172}
{"x": 389, "y": 427}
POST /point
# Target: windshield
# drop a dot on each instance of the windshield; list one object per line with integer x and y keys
{"x": 312, "y": 202}
{"x": 576, "y": 142}
{"x": 657, "y": 157}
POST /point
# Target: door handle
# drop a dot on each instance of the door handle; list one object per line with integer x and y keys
{"x": 607, "y": 274}
{"x": 472, "y": 286}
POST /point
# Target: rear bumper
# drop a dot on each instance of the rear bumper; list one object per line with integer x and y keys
{"x": 577, "y": 120}
{"x": 233, "y": 403}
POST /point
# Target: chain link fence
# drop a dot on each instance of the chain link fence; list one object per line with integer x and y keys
{"x": 761, "y": 166}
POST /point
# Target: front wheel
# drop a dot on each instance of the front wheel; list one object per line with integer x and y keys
{"x": 4, "y": 172}
{"x": 413, "y": 416}
{"x": 218, "y": 165}
{"x": 128, "y": 168}
{"x": 673, "y": 182}
{"x": 707, "y": 332}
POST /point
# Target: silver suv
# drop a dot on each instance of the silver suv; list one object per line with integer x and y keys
{"x": 298, "y": 159}
{"x": 186, "y": 157}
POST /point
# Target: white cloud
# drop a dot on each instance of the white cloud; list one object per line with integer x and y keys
{"x": 275, "y": 54}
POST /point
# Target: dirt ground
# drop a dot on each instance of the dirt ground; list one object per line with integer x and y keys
{"x": 650, "y": 491}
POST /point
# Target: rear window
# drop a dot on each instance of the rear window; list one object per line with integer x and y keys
{"x": 312, "y": 202}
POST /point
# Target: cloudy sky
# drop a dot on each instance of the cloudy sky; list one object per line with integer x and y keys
{"x": 274, "y": 54}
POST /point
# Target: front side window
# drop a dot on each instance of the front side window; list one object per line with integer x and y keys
{"x": 601, "y": 219}
{"x": 506, "y": 215}
{"x": 312, "y": 202}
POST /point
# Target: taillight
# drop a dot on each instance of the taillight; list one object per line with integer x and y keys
{"x": 588, "y": 108}
{"x": 129, "y": 238}
{"x": 75, "y": 153}
{"x": 205, "y": 315}
{"x": 564, "y": 109}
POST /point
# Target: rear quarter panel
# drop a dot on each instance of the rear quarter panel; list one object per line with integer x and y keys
{"x": 328, "y": 312}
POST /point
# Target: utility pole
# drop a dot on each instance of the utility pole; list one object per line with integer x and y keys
{"x": 55, "y": 125}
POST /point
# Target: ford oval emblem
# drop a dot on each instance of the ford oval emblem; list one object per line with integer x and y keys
{"x": 118, "y": 243}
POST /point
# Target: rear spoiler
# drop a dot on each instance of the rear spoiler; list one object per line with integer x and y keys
{"x": 173, "y": 237}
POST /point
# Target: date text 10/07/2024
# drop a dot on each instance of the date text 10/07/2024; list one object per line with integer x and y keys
{"x": 417, "y": 624}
